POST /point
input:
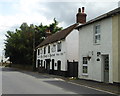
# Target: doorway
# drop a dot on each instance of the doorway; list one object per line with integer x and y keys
{"x": 105, "y": 68}
{"x": 59, "y": 67}
{"x": 53, "y": 66}
{"x": 48, "y": 65}
{"x": 72, "y": 69}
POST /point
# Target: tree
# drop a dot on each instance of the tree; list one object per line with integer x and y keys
{"x": 40, "y": 31}
{"x": 19, "y": 45}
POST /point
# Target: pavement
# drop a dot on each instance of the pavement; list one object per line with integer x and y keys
{"x": 105, "y": 87}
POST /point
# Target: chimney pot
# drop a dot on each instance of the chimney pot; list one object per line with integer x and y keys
{"x": 48, "y": 32}
{"x": 83, "y": 9}
{"x": 79, "y": 10}
{"x": 81, "y": 17}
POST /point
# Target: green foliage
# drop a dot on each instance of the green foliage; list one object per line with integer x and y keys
{"x": 19, "y": 45}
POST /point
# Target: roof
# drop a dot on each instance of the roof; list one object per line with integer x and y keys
{"x": 106, "y": 15}
{"x": 58, "y": 36}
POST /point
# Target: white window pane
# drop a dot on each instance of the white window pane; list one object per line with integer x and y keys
{"x": 85, "y": 69}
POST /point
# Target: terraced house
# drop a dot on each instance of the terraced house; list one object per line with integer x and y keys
{"x": 58, "y": 53}
{"x": 99, "y": 48}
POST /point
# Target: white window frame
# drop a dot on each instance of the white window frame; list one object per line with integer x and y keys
{"x": 49, "y": 49}
{"x": 59, "y": 46}
{"x": 84, "y": 65}
{"x": 53, "y": 49}
{"x": 97, "y": 34}
{"x": 45, "y": 50}
{"x": 41, "y": 51}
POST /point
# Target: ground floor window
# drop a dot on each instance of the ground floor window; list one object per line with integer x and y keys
{"x": 85, "y": 65}
{"x": 38, "y": 63}
{"x": 85, "y": 69}
{"x": 42, "y": 63}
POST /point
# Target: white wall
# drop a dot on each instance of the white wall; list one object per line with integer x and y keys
{"x": 72, "y": 45}
{"x": 86, "y": 45}
{"x": 55, "y": 55}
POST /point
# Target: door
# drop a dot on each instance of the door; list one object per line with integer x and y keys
{"x": 106, "y": 68}
{"x": 48, "y": 65}
{"x": 59, "y": 65}
{"x": 73, "y": 69}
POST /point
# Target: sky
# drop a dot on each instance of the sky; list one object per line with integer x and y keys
{"x": 14, "y": 12}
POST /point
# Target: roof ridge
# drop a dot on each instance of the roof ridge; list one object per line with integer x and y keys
{"x": 57, "y": 36}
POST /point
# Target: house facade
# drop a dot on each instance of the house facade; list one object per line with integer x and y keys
{"x": 99, "y": 48}
{"x": 58, "y": 53}
{"x": 54, "y": 53}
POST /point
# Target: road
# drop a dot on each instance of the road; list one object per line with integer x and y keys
{"x": 24, "y": 82}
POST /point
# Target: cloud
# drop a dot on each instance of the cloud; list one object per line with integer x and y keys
{"x": 15, "y": 12}
{"x": 65, "y": 12}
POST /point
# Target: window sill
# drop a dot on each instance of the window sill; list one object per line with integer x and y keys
{"x": 96, "y": 44}
{"x": 84, "y": 74}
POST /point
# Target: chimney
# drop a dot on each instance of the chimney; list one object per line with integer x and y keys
{"x": 48, "y": 33}
{"x": 81, "y": 16}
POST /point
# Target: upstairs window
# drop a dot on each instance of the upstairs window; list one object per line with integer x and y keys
{"x": 59, "y": 46}
{"x": 41, "y": 51}
{"x": 49, "y": 49}
{"x": 85, "y": 60}
{"x": 38, "y": 52}
{"x": 97, "y": 34}
{"x": 44, "y": 50}
{"x": 53, "y": 48}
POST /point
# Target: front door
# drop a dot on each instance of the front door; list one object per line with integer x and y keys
{"x": 106, "y": 68}
{"x": 59, "y": 67}
{"x": 48, "y": 65}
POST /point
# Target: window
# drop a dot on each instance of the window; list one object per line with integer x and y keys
{"x": 49, "y": 49}
{"x": 85, "y": 65}
{"x": 38, "y": 63}
{"x": 53, "y": 48}
{"x": 41, "y": 62}
{"x": 38, "y": 52}
{"x": 44, "y": 64}
{"x": 44, "y": 50}
{"x": 97, "y": 35}
{"x": 59, "y": 45}
{"x": 41, "y": 51}
{"x": 85, "y": 60}
{"x": 85, "y": 69}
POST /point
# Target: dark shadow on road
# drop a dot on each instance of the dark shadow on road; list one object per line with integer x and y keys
{"x": 7, "y": 69}
{"x": 33, "y": 74}
{"x": 84, "y": 91}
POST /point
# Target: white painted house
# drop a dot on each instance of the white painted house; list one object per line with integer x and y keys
{"x": 58, "y": 53}
{"x": 99, "y": 48}
{"x": 56, "y": 50}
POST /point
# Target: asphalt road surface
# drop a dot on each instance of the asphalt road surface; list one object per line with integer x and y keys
{"x": 23, "y": 82}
